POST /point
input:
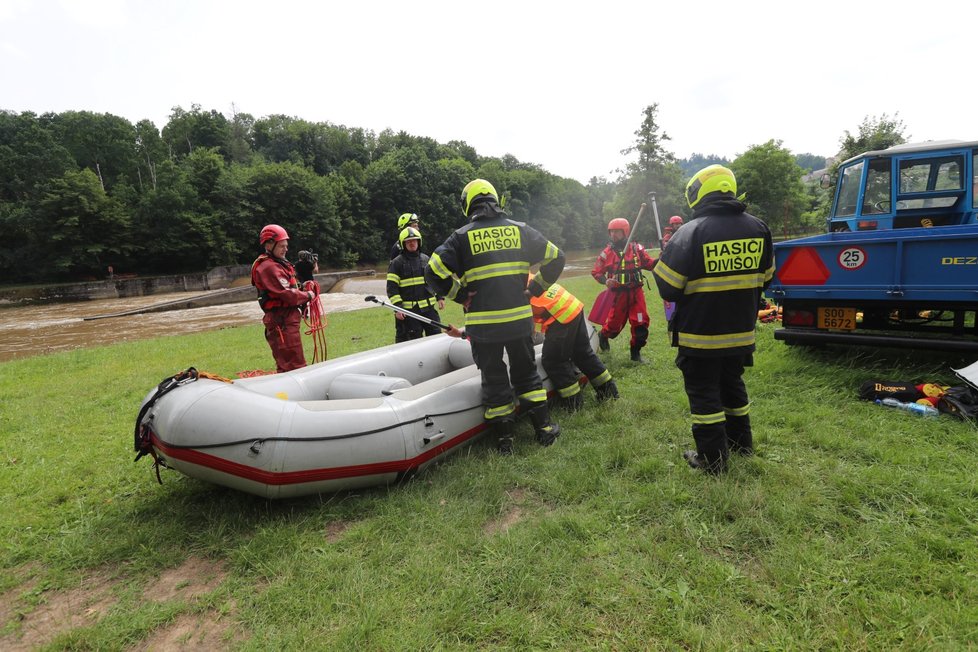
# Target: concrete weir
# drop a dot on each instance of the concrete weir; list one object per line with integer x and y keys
{"x": 228, "y": 295}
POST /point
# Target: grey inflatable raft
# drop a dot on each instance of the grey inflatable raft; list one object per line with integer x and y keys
{"x": 364, "y": 419}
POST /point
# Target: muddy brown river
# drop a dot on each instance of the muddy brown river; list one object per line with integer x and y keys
{"x": 41, "y": 329}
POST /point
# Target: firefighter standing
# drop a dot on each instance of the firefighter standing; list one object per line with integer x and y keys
{"x": 560, "y": 316}
{"x": 403, "y": 221}
{"x": 406, "y": 289}
{"x": 715, "y": 269}
{"x": 619, "y": 268}
{"x": 484, "y": 265}
{"x": 280, "y": 296}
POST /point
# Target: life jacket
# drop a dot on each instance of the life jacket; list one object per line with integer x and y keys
{"x": 627, "y": 269}
{"x": 265, "y": 300}
{"x": 556, "y": 304}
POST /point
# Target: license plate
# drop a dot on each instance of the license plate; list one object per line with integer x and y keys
{"x": 842, "y": 319}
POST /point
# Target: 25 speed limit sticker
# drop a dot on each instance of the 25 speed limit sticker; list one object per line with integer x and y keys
{"x": 852, "y": 258}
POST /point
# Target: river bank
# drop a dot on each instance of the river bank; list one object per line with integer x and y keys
{"x": 43, "y": 327}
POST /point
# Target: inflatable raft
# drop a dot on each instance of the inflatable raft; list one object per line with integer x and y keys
{"x": 364, "y": 419}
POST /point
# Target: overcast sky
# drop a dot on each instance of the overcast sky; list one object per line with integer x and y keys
{"x": 559, "y": 84}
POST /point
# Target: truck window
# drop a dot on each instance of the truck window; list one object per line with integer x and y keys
{"x": 877, "y": 198}
{"x": 849, "y": 190}
{"x": 928, "y": 175}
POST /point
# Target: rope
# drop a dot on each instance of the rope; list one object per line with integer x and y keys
{"x": 315, "y": 320}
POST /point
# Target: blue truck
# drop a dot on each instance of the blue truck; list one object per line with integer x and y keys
{"x": 899, "y": 263}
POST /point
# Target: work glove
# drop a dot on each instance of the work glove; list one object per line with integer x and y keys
{"x": 612, "y": 283}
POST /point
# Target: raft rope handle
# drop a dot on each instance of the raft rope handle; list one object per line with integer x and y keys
{"x": 141, "y": 437}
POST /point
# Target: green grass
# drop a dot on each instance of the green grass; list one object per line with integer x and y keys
{"x": 853, "y": 528}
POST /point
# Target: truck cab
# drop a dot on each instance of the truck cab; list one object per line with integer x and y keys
{"x": 913, "y": 185}
{"x": 899, "y": 264}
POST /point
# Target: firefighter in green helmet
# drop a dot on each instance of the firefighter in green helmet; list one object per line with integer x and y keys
{"x": 404, "y": 221}
{"x": 715, "y": 268}
{"x": 406, "y": 289}
{"x": 483, "y": 266}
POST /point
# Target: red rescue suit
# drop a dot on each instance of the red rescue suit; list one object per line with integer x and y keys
{"x": 280, "y": 297}
{"x": 625, "y": 268}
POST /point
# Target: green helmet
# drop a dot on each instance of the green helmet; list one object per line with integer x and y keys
{"x": 405, "y": 219}
{"x": 476, "y": 189}
{"x": 714, "y": 178}
{"x": 410, "y": 233}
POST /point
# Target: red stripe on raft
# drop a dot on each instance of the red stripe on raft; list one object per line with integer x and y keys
{"x": 309, "y": 475}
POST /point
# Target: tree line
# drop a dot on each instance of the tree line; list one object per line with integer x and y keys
{"x": 82, "y": 191}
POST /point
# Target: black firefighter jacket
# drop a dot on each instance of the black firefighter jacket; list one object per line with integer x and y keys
{"x": 484, "y": 266}
{"x": 715, "y": 269}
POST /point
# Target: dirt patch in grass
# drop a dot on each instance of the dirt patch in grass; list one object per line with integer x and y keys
{"x": 335, "y": 530}
{"x": 512, "y": 515}
{"x": 195, "y": 577}
{"x": 10, "y": 598}
{"x": 207, "y": 631}
{"x": 59, "y": 612}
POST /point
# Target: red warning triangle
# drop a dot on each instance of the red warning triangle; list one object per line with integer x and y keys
{"x": 803, "y": 267}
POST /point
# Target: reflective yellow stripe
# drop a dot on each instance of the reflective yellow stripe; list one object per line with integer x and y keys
{"x": 725, "y": 283}
{"x": 724, "y": 341}
{"x": 708, "y": 419}
{"x": 424, "y": 303}
{"x": 412, "y": 281}
{"x": 499, "y": 411}
{"x": 395, "y": 299}
{"x": 570, "y": 390}
{"x": 559, "y": 304}
{"x": 456, "y": 286}
{"x": 737, "y": 412}
{"x": 393, "y": 277}
{"x": 566, "y": 308}
{"x": 769, "y": 274}
{"x": 602, "y": 379}
{"x": 438, "y": 267}
{"x": 551, "y": 253}
{"x": 521, "y": 268}
{"x": 535, "y": 396}
{"x": 669, "y": 275}
{"x": 498, "y": 316}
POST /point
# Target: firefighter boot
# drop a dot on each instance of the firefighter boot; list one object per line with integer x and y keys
{"x": 705, "y": 463}
{"x": 607, "y": 391}
{"x": 572, "y": 403}
{"x": 603, "y": 342}
{"x": 637, "y": 354}
{"x": 547, "y": 431}
{"x": 503, "y": 430}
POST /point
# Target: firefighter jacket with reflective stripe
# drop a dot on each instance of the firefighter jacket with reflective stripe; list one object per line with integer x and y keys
{"x": 715, "y": 269}
{"x": 623, "y": 266}
{"x": 406, "y": 286}
{"x": 277, "y": 284}
{"x": 484, "y": 266}
{"x": 556, "y": 304}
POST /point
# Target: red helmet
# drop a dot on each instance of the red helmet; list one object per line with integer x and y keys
{"x": 272, "y": 232}
{"x": 620, "y": 223}
{"x": 675, "y": 220}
